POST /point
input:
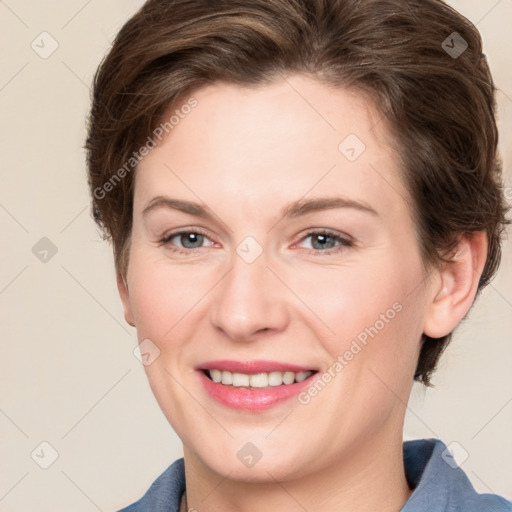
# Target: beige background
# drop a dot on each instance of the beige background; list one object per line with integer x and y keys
{"x": 68, "y": 373}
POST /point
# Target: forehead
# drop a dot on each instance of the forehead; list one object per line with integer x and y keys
{"x": 283, "y": 140}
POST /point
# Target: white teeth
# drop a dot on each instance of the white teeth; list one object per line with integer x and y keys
{"x": 239, "y": 379}
{"x": 227, "y": 378}
{"x": 257, "y": 380}
{"x": 299, "y": 377}
{"x": 275, "y": 378}
{"x": 288, "y": 377}
{"x": 216, "y": 375}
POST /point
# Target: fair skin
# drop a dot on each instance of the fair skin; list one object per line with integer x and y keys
{"x": 245, "y": 154}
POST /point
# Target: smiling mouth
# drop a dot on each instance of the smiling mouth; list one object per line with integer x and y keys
{"x": 257, "y": 380}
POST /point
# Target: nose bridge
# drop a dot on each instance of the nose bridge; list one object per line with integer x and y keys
{"x": 249, "y": 299}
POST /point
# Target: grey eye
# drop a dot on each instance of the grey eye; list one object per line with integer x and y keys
{"x": 319, "y": 241}
{"x": 190, "y": 240}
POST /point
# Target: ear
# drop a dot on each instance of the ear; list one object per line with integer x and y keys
{"x": 122, "y": 287}
{"x": 457, "y": 284}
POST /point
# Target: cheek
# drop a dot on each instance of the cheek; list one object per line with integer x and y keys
{"x": 350, "y": 299}
{"x": 163, "y": 296}
{"x": 166, "y": 303}
{"x": 368, "y": 320}
{"x": 163, "y": 292}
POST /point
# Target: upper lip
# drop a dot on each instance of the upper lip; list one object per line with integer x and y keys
{"x": 251, "y": 367}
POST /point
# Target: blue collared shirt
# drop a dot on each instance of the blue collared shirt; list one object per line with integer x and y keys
{"x": 439, "y": 485}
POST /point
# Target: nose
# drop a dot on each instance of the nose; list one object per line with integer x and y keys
{"x": 249, "y": 301}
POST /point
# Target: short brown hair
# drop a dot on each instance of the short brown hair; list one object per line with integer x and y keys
{"x": 440, "y": 105}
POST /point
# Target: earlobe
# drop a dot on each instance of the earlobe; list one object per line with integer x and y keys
{"x": 457, "y": 287}
{"x": 124, "y": 293}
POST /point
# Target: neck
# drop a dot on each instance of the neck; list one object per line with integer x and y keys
{"x": 183, "y": 503}
{"x": 369, "y": 478}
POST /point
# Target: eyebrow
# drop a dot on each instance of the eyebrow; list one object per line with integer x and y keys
{"x": 293, "y": 210}
{"x": 177, "y": 204}
{"x": 304, "y": 206}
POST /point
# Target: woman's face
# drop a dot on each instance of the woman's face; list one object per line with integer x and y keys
{"x": 289, "y": 241}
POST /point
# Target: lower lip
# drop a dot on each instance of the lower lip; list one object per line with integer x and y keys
{"x": 254, "y": 399}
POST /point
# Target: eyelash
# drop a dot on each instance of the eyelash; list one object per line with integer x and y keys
{"x": 344, "y": 242}
{"x": 167, "y": 238}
